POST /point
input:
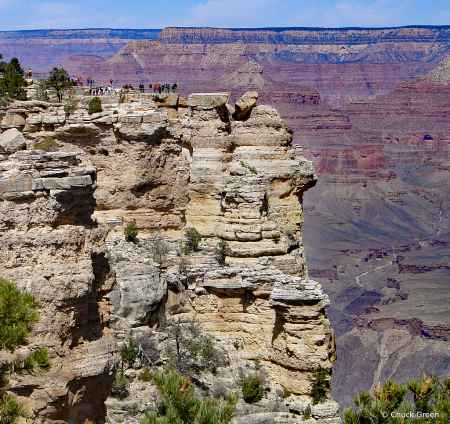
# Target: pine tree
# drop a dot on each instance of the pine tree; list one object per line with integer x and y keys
{"x": 12, "y": 82}
{"x": 180, "y": 405}
{"x": 388, "y": 404}
{"x": 17, "y": 316}
{"x": 59, "y": 81}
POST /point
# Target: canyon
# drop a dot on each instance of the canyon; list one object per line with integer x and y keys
{"x": 375, "y": 229}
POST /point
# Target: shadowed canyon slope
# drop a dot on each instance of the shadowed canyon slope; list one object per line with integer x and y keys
{"x": 377, "y": 231}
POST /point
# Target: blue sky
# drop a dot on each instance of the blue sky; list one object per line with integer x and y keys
{"x": 63, "y": 14}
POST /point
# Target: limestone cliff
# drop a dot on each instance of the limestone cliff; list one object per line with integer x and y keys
{"x": 50, "y": 246}
{"x": 169, "y": 164}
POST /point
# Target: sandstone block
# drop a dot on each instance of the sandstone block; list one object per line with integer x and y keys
{"x": 33, "y": 122}
{"x": 245, "y": 104}
{"x": 130, "y": 373}
{"x": 17, "y": 195}
{"x": 131, "y": 118}
{"x": 13, "y": 121}
{"x": 13, "y": 181}
{"x": 12, "y": 140}
{"x": 166, "y": 100}
{"x": 328, "y": 409}
{"x": 66, "y": 183}
{"x": 208, "y": 100}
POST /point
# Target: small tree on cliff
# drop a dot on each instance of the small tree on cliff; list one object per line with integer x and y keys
{"x": 59, "y": 81}
{"x": 12, "y": 82}
{"x": 17, "y": 315}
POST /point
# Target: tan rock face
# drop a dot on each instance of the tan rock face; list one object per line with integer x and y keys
{"x": 245, "y": 104}
{"x": 50, "y": 246}
{"x": 246, "y": 187}
{"x": 238, "y": 181}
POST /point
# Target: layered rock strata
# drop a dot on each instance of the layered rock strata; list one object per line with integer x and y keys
{"x": 342, "y": 64}
{"x": 50, "y": 246}
{"x": 246, "y": 187}
{"x": 169, "y": 164}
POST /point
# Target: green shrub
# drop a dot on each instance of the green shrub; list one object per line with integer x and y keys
{"x": 250, "y": 168}
{"x": 190, "y": 351}
{"x": 95, "y": 105}
{"x": 180, "y": 404}
{"x": 236, "y": 345}
{"x": 430, "y": 396}
{"x": 252, "y": 390}
{"x": 146, "y": 374}
{"x": 321, "y": 384}
{"x": 119, "y": 388}
{"x": 47, "y": 145}
{"x": 193, "y": 238}
{"x": 38, "y": 359}
{"x": 286, "y": 393}
{"x": 276, "y": 238}
{"x": 129, "y": 352}
{"x": 11, "y": 409}
{"x": 115, "y": 112}
{"x": 307, "y": 413}
{"x": 131, "y": 231}
{"x": 71, "y": 103}
{"x": 222, "y": 251}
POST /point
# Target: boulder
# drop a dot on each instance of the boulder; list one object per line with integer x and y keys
{"x": 328, "y": 409}
{"x": 245, "y": 104}
{"x": 11, "y": 141}
{"x": 208, "y": 100}
{"x": 13, "y": 120}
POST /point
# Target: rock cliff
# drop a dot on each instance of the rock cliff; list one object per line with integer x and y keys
{"x": 192, "y": 164}
{"x": 50, "y": 246}
{"x": 41, "y": 49}
{"x": 343, "y": 64}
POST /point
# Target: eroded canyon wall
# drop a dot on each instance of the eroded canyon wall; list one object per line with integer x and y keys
{"x": 50, "y": 246}
{"x": 179, "y": 165}
{"x": 342, "y": 64}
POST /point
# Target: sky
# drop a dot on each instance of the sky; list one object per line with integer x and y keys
{"x": 157, "y": 14}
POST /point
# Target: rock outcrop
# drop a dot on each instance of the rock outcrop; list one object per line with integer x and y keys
{"x": 50, "y": 246}
{"x": 237, "y": 179}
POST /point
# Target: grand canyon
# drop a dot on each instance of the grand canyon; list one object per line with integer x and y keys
{"x": 367, "y": 108}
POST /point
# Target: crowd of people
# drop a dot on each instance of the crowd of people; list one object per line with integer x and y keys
{"x": 101, "y": 90}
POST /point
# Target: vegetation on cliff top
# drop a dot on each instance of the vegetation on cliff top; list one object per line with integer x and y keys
{"x": 12, "y": 82}
{"x": 59, "y": 82}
